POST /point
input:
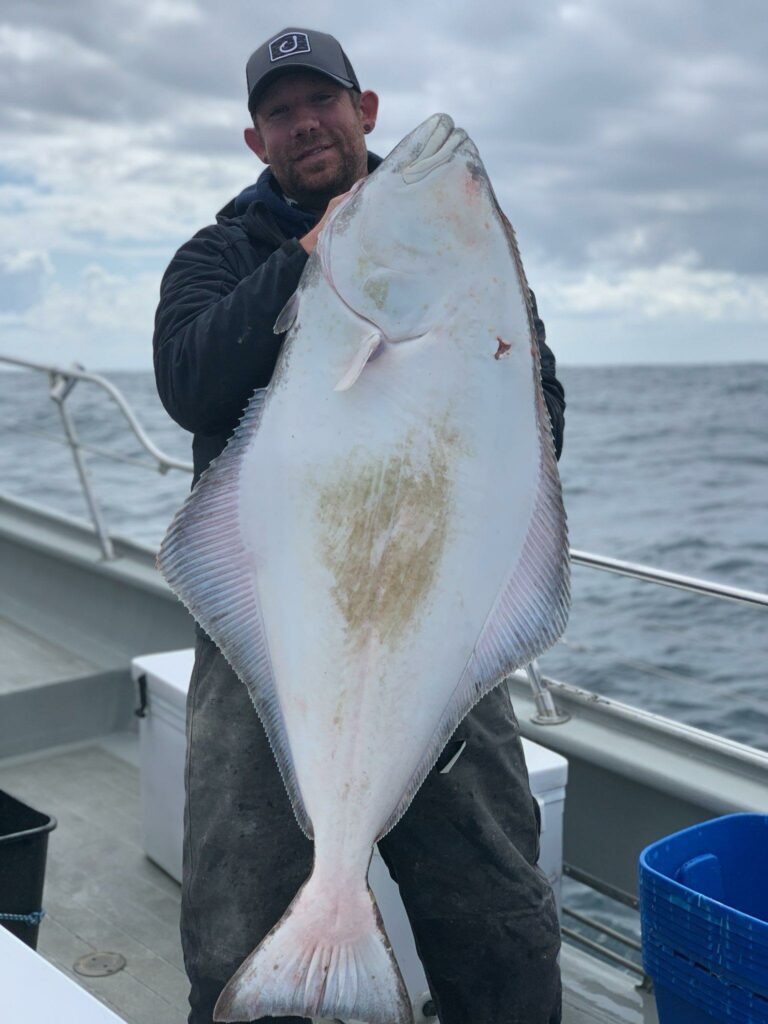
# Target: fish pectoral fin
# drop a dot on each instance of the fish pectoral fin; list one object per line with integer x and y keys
{"x": 362, "y": 356}
{"x": 286, "y": 318}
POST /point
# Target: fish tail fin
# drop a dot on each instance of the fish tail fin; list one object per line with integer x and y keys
{"x": 326, "y": 957}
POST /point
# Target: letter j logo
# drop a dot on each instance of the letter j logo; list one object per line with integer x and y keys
{"x": 288, "y": 44}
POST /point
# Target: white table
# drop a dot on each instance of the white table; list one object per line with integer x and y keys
{"x": 32, "y": 990}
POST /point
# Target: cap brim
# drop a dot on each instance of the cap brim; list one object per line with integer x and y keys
{"x": 270, "y": 77}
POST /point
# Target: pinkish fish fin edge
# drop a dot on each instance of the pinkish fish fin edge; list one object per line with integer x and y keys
{"x": 528, "y": 616}
{"x": 297, "y": 969}
{"x": 203, "y": 560}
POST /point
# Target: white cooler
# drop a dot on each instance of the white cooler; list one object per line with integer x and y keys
{"x": 162, "y": 747}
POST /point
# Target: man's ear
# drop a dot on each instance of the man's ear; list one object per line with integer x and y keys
{"x": 254, "y": 142}
{"x": 369, "y": 107}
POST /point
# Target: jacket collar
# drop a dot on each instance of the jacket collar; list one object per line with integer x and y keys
{"x": 263, "y": 209}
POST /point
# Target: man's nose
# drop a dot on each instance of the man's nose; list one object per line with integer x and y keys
{"x": 304, "y": 122}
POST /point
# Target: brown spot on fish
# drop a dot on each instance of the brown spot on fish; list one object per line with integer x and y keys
{"x": 504, "y": 347}
{"x": 471, "y": 187}
{"x": 385, "y": 526}
{"x": 377, "y": 289}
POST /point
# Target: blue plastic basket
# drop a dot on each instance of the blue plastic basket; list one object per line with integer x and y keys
{"x": 704, "y": 917}
{"x": 679, "y": 983}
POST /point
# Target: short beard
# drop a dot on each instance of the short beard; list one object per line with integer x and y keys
{"x": 353, "y": 166}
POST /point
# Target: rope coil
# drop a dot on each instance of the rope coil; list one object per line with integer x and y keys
{"x": 34, "y": 918}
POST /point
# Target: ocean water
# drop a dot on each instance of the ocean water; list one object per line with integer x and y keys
{"x": 666, "y": 466}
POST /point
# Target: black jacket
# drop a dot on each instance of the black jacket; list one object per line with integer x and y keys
{"x": 219, "y": 299}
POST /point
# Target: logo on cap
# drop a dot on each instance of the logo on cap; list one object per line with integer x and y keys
{"x": 288, "y": 44}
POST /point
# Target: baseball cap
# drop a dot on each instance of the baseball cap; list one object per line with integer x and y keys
{"x": 297, "y": 48}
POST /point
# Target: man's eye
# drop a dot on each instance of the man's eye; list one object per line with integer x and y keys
{"x": 277, "y": 112}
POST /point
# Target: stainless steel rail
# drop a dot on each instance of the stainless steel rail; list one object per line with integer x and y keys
{"x": 668, "y": 579}
{"x": 599, "y": 886}
{"x": 61, "y": 384}
{"x": 604, "y": 929}
{"x": 77, "y": 373}
{"x": 595, "y": 947}
{"x": 547, "y": 712}
{"x": 631, "y": 944}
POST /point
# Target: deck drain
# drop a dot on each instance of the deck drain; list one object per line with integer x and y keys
{"x": 100, "y": 965}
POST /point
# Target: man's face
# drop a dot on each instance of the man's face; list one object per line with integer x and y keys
{"x": 311, "y": 133}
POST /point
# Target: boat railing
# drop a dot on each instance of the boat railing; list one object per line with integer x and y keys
{"x": 676, "y": 580}
{"x": 62, "y": 381}
{"x": 547, "y": 712}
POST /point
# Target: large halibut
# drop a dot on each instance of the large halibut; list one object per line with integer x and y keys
{"x": 381, "y": 542}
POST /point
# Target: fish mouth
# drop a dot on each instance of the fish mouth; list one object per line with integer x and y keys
{"x": 438, "y": 149}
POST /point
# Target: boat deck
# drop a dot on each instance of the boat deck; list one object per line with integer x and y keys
{"x": 103, "y": 894}
{"x": 31, "y": 659}
{"x": 55, "y": 692}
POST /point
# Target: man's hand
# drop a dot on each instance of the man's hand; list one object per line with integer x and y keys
{"x": 309, "y": 241}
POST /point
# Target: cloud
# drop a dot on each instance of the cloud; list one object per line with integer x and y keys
{"x": 667, "y": 290}
{"x": 22, "y": 276}
{"x": 101, "y": 318}
{"x": 625, "y": 139}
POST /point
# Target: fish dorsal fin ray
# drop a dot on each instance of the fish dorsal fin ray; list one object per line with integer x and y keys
{"x": 288, "y": 315}
{"x": 529, "y": 614}
{"x": 205, "y": 563}
{"x": 361, "y": 357}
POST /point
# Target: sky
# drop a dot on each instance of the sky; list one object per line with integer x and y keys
{"x": 627, "y": 142}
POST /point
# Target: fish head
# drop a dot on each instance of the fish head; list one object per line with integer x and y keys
{"x": 396, "y": 251}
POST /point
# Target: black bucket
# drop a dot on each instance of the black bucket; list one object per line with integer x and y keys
{"x": 23, "y": 848}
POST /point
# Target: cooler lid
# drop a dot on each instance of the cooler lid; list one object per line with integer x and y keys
{"x": 547, "y": 769}
{"x": 168, "y": 674}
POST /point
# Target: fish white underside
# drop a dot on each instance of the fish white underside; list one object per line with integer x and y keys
{"x": 372, "y": 561}
{"x": 363, "y": 681}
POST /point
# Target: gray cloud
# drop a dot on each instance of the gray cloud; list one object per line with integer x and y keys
{"x": 620, "y": 135}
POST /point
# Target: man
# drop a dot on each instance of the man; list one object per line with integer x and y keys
{"x": 464, "y": 854}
